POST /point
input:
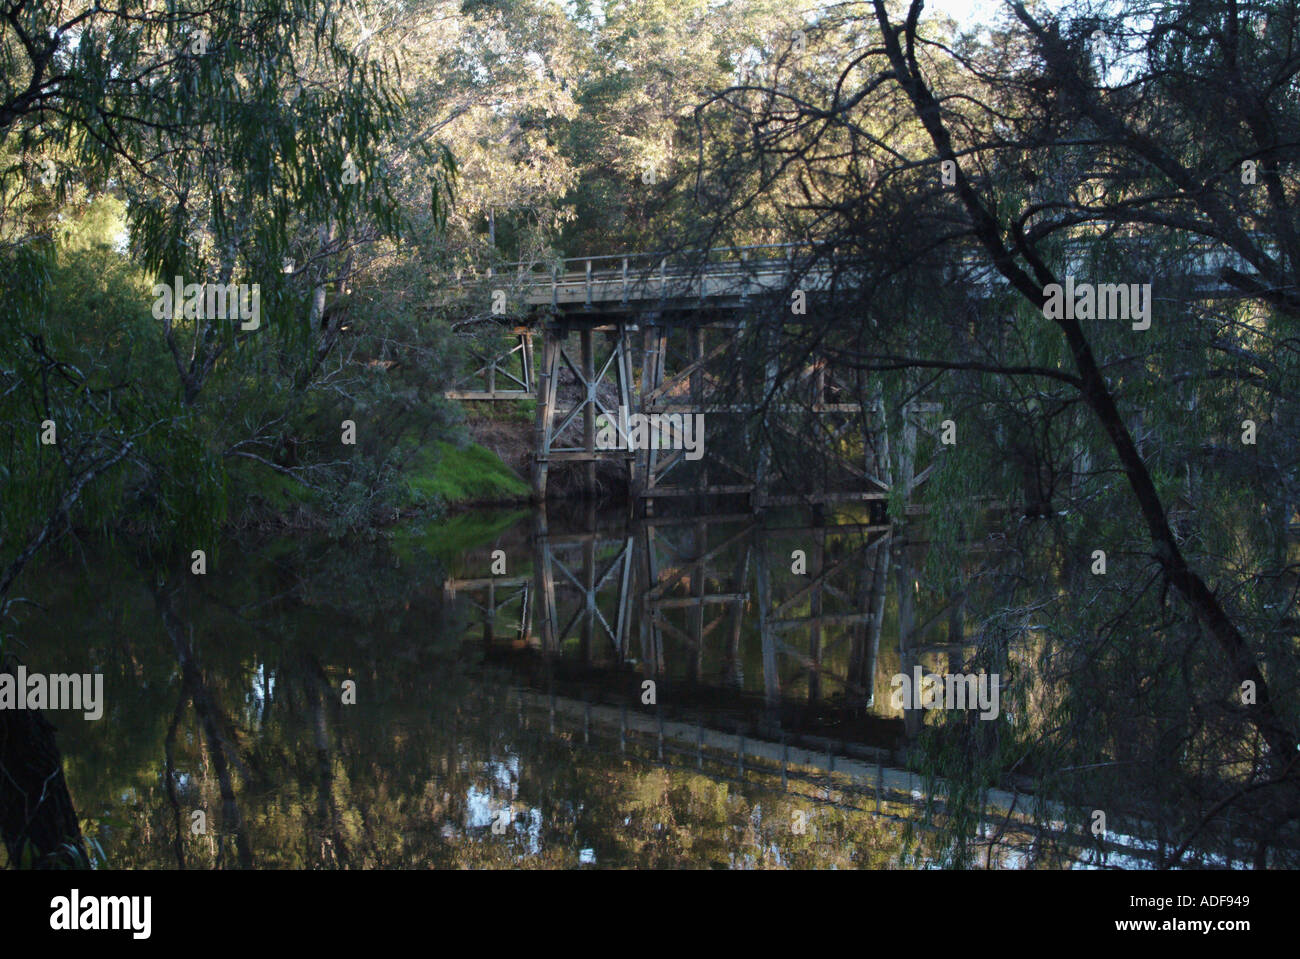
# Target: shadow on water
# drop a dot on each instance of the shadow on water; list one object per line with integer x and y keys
{"x": 502, "y": 690}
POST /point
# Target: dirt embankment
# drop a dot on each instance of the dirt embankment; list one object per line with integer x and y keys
{"x": 510, "y": 439}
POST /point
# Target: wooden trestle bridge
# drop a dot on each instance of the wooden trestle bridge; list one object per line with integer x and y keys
{"x": 662, "y": 338}
{"x": 665, "y": 336}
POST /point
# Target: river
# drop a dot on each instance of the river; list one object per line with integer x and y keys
{"x": 510, "y": 689}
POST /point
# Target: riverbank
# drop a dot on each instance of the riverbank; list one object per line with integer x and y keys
{"x": 451, "y": 477}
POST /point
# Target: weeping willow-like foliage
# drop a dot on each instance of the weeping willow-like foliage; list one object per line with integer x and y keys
{"x": 1131, "y": 490}
{"x": 143, "y": 142}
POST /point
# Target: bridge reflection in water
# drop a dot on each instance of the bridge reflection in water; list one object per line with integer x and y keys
{"x": 724, "y": 604}
{"x": 763, "y": 641}
{"x": 766, "y": 626}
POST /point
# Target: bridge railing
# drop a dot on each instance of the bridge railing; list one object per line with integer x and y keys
{"x": 641, "y": 274}
{"x": 672, "y": 260}
{"x": 663, "y": 273}
{"x": 755, "y": 268}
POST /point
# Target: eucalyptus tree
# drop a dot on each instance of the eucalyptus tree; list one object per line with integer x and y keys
{"x": 646, "y": 68}
{"x": 229, "y": 130}
{"x": 1145, "y": 607}
{"x": 197, "y": 115}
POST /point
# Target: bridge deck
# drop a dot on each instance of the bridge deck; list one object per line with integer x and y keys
{"x": 731, "y": 276}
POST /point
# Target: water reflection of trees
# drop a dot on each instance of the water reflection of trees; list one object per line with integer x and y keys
{"x": 224, "y": 695}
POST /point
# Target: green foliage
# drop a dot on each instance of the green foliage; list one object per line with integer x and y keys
{"x": 449, "y": 475}
{"x": 210, "y": 143}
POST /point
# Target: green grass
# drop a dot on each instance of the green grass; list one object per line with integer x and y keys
{"x": 452, "y": 476}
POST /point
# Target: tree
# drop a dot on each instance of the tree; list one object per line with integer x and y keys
{"x": 226, "y": 130}
{"x": 962, "y": 182}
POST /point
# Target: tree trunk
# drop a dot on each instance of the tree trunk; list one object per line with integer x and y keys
{"x": 36, "y": 808}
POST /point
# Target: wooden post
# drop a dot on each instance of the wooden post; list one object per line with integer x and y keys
{"x": 735, "y": 665}
{"x": 861, "y": 635}
{"x": 651, "y": 645}
{"x": 545, "y": 578}
{"x": 622, "y": 625}
{"x": 762, "y": 471}
{"x": 529, "y": 377}
{"x": 913, "y": 717}
{"x": 815, "y": 611}
{"x": 624, "y": 366}
{"x": 589, "y": 408}
{"x": 696, "y": 335}
{"x": 879, "y": 588}
{"x": 652, "y": 377}
{"x": 648, "y": 355}
{"x": 525, "y": 617}
{"x": 542, "y": 427}
{"x": 767, "y": 633}
{"x": 698, "y": 578}
{"x": 589, "y": 593}
{"x": 882, "y": 466}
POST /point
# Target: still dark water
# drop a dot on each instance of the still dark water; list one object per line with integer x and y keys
{"x": 503, "y": 689}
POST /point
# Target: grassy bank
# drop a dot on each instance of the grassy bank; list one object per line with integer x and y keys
{"x": 449, "y": 476}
